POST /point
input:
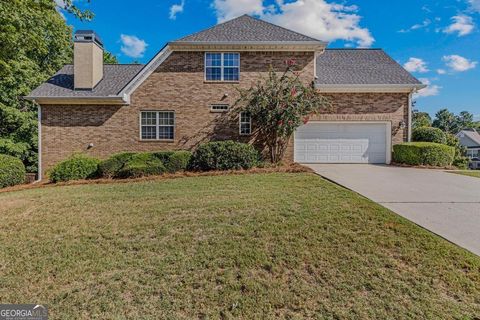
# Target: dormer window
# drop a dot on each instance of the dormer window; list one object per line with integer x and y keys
{"x": 222, "y": 66}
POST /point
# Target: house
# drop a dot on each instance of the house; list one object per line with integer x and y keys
{"x": 179, "y": 99}
{"x": 470, "y": 139}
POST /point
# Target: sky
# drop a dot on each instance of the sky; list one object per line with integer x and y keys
{"x": 437, "y": 40}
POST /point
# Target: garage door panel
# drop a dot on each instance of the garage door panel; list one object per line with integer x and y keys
{"x": 341, "y": 143}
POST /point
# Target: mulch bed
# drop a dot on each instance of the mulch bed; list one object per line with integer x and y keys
{"x": 292, "y": 168}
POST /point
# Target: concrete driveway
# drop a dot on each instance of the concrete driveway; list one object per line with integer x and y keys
{"x": 444, "y": 203}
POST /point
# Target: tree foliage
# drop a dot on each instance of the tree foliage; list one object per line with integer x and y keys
{"x": 70, "y": 7}
{"x": 451, "y": 123}
{"x": 278, "y": 105}
{"x": 35, "y": 43}
{"x": 109, "y": 58}
{"x": 421, "y": 119}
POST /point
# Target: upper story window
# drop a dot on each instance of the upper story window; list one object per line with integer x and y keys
{"x": 220, "y": 66}
{"x": 157, "y": 125}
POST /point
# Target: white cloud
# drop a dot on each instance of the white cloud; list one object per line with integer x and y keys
{"x": 475, "y": 5}
{"x": 459, "y": 63}
{"x": 417, "y": 26}
{"x": 462, "y": 25}
{"x": 430, "y": 91}
{"x": 176, "y": 9}
{"x": 316, "y": 18}
{"x": 132, "y": 46}
{"x": 441, "y": 71}
{"x": 416, "y": 65}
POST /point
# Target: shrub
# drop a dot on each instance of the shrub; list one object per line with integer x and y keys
{"x": 12, "y": 171}
{"x": 141, "y": 165}
{"x": 429, "y": 134}
{"x": 224, "y": 155}
{"x": 111, "y": 167}
{"x": 178, "y": 161}
{"x": 424, "y": 153}
{"x": 460, "y": 161}
{"x": 78, "y": 167}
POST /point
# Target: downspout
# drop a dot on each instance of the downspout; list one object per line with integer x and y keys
{"x": 39, "y": 174}
{"x": 410, "y": 113}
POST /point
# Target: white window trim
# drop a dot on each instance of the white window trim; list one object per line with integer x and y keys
{"x": 157, "y": 125}
{"x": 219, "y": 105}
{"x": 240, "y": 125}
{"x": 222, "y": 67}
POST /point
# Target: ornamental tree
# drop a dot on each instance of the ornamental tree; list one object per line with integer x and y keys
{"x": 278, "y": 105}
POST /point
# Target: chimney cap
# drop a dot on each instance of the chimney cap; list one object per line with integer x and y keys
{"x": 88, "y": 36}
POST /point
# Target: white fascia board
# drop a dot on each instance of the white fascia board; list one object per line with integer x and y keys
{"x": 367, "y": 88}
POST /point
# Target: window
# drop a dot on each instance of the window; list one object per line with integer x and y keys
{"x": 219, "y": 108}
{"x": 157, "y": 125}
{"x": 245, "y": 124}
{"x": 222, "y": 66}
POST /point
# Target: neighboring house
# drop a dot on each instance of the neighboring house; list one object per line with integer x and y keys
{"x": 182, "y": 96}
{"x": 470, "y": 139}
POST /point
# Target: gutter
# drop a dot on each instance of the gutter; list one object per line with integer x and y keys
{"x": 76, "y": 99}
{"x": 368, "y": 88}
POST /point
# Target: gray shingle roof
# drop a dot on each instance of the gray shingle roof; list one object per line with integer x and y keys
{"x": 246, "y": 29}
{"x": 360, "y": 67}
{"x": 115, "y": 78}
{"x": 473, "y": 135}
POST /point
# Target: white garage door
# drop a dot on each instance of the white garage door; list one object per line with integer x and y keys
{"x": 329, "y": 142}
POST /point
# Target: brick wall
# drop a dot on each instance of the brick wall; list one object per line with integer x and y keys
{"x": 178, "y": 85}
{"x": 391, "y": 107}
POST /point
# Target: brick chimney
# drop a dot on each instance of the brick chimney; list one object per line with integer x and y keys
{"x": 87, "y": 60}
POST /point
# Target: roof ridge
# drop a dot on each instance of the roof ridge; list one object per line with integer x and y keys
{"x": 278, "y": 26}
{"x": 355, "y": 49}
{"x": 247, "y": 25}
{"x": 209, "y": 28}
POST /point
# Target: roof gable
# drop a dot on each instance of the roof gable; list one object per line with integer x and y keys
{"x": 247, "y": 29}
{"x": 472, "y": 136}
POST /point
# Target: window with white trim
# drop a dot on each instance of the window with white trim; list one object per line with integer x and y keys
{"x": 219, "y": 107}
{"x": 222, "y": 66}
{"x": 157, "y": 125}
{"x": 245, "y": 123}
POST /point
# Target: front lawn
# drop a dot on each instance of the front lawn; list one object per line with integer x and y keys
{"x": 470, "y": 173}
{"x": 259, "y": 246}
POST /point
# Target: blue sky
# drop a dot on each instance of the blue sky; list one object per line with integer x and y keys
{"x": 437, "y": 40}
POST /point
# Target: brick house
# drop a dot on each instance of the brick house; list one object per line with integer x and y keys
{"x": 180, "y": 98}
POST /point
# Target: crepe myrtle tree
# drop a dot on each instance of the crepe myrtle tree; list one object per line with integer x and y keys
{"x": 278, "y": 105}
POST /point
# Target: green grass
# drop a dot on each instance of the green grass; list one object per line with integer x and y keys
{"x": 470, "y": 173}
{"x": 252, "y": 246}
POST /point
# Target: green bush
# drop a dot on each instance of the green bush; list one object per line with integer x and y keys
{"x": 111, "y": 167}
{"x": 178, "y": 161}
{"x": 460, "y": 161}
{"x": 12, "y": 171}
{"x": 224, "y": 155}
{"x": 141, "y": 165}
{"x": 78, "y": 167}
{"x": 429, "y": 134}
{"x": 424, "y": 153}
